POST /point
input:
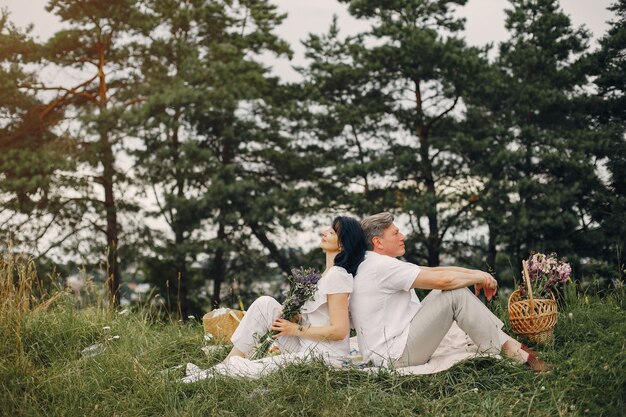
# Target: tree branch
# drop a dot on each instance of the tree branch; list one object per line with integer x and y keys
{"x": 60, "y": 241}
{"x": 260, "y": 234}
{"x": 450, "y": 220}
{"x": 163, "y": 211}
{"x": 441, "y": 115}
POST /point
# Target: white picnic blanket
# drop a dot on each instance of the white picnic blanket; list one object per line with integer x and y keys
{"x": 240, "y": 367}
{"x": 455, "y": 347}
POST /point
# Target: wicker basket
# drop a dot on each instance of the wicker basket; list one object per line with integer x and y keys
{"x": 534, "y": 318}
{"x": 221, "y": 323}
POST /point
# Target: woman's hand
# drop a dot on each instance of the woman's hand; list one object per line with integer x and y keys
{"x": 284, "y": 328}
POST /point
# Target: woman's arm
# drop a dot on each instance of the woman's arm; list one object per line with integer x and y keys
{"x": 337, "y": 329}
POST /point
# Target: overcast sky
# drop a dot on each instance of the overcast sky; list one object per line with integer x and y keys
{"x": 485, "y": 21}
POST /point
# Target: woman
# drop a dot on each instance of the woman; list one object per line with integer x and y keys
{"x": 324, "y": 328}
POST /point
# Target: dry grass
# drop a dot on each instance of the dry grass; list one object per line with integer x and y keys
{"x": 18, "y": 279}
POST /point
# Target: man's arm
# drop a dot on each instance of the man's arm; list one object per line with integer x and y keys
{"x": 451, "y": 278}
{"x": 454, "y": 269}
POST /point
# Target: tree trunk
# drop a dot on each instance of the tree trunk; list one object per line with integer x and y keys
{"x": 432, "y": 241}
{"x": 518, "y": 264}
{"x": 491, "y": 248}
{"x": 219, "y": 267}
{"x": 113, "y": 270}
{"x": 182, "y": 296}
{"x": 108, "y": 176}
{"x": 227, "y": 155}
{"x": 179, "y": 226}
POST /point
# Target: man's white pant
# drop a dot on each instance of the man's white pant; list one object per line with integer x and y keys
{"x": 257, "y": 321}
{"x": 433, "y": 320}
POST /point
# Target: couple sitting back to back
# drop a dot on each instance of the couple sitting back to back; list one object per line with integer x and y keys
{"x": 365, "y": 281}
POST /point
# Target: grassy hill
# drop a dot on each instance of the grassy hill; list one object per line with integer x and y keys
{"x": 134, "y": 370}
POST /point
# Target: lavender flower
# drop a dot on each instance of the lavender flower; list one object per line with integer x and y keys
{"x": 305, "y": 276}
{"x": 303, "y": 286}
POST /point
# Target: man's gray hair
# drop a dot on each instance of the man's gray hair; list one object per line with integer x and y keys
{"x": 375, "y": 225}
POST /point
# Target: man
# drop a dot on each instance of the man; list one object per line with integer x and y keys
{"x": 393, "y": 327}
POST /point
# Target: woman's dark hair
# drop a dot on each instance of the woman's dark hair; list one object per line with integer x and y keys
{"x": 351, "y": 241}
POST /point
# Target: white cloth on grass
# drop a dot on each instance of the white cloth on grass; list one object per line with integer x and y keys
{"x": 455, "y": 347}
{"x": 245, "y": 368}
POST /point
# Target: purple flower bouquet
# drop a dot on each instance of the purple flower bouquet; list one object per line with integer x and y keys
{"x": 303, "y": 287}
{"x": 546, "y": 273}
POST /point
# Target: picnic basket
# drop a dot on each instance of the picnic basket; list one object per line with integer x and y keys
{"x": 221, "y": 323}
{"x": 534, "y": 318}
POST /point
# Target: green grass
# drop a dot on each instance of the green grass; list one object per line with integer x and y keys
{"x": 42, "y": 372}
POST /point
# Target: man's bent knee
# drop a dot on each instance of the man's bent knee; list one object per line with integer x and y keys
{"x": 459, "y": 292}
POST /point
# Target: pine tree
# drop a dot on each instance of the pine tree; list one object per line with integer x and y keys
{"x": 36, "y": 166}
{"x": 343, "y": 118}
{"x": 213, "y": 153}
{"x": 422, "y": 67}
{"x": 483, "y": 142}
{"x": 537, "y": 167}
{"x": 607, "y": 118}
{"x": 251, "y": 191}
{"x": 94, "y": 46}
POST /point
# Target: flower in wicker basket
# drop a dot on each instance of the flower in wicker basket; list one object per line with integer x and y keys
{"x": 546, "y": 273}
{"x": 532, "y": 309}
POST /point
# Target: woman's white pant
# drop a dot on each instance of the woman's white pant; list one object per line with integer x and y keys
{"x": 257, "y": 321}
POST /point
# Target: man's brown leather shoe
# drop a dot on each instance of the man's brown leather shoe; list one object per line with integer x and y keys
{"x": 533, "y": 362}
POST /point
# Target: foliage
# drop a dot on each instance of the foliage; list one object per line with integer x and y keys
{"x": 606, "y": 115}
{"x": 527, "y": 136}
{"x": 345, "y": 125}
{"x": 35, "y": 161}
{"x": 209, "y": 114}
{"x": 385, "y": 117}
{"x": 180, "y": 157}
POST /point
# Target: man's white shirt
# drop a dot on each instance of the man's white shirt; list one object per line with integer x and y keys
{"x": 382, "y": 306}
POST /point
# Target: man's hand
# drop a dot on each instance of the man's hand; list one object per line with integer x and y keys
{"x": 489, "y": 285}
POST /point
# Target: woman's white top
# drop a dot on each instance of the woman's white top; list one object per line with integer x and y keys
{"x": 315, "y": 312}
